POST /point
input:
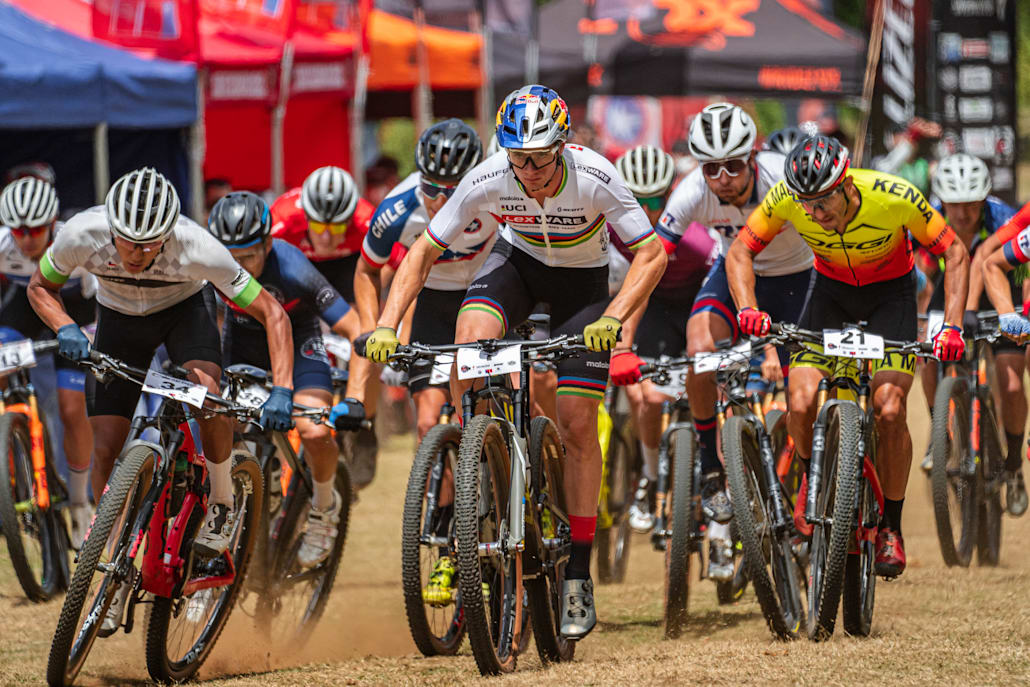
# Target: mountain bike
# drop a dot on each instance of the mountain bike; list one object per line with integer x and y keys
{"x": 620, "y": 471}
{"x": 511, "y": 528}
{"x": 845, "y": 499}
{"x": 285, "y": 598}
{"x": 139, "y": 544}
{"x": 33, "y": 496}
{"x": 680, "y": 528}
{"x": 968, "y": 460}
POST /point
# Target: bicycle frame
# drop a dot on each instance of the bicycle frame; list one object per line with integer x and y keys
{"x": 30, "y": 409}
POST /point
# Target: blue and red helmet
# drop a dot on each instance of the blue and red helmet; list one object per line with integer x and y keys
{"x": 532, "y": 117}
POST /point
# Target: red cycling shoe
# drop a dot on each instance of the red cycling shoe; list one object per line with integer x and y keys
{"x": 890, "y": 553}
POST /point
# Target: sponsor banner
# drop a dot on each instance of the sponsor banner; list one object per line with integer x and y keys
{"x": 624, "y": 122}
{"x": 242, "y": 85}
{"x": 975, "y": 84}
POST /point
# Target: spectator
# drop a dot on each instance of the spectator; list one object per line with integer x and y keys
{"x": 908, "y": 157}
{"x": 214, "y": 190}
{"x": 381, "y": 176}
{"x": 40, "y": 170}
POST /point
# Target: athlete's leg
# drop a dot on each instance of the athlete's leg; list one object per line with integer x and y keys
{"x": 109, "y": 433}
{"x": 1009, "y": 366}
{"x": 320, "y": 450}
{"x": 704, "y": 328}
{"x": 78, "y": 436}
{"x": 894, "y": 448}
{"x": 804, "y": 387}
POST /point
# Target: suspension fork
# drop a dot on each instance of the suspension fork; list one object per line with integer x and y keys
{"x": 815, "y": 465}
{"x": 42, "y": 490}
{"x": 781, "y": 519}
{"x": 975, "y": 416}
{"x": 662, "y": 483}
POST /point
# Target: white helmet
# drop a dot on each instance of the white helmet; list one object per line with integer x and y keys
{"x": 28, "y": 202}
{"x": 961, "y": 178}
{"x": 142, "y": 206}
{"x": 493, "y": 147}
{"x": 648, "y": 171}
{"x": 329, "y": 195}
{"x": 721, "y": 131}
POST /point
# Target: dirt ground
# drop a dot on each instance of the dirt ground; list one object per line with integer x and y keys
{"x": 934, "y": 625}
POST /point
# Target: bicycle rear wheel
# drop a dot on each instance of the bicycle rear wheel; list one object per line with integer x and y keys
{"x": 546, "y": 456}
{"x": 437, "y": 630}
{"x": 768, "y": 555}
{"x": 106, "y": 545}
{"x": 859, "y": 594}
{"x": 955, "y": 495}
{"x": 491, "y": 584}
{"x": 684, "y": 508}
{"x": 30, "y": 531}
{"x": 612, "y": 543}
{"x": 988, "y": 544}
{"x": 836, "y": 501}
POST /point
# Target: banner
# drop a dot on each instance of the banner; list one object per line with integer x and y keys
{"x": 900, "y": 92}
{"x": 976, "y": 85}
{"x": 168, "y": 27}
{"x": 277, "y": 16}
{"x": 624, "y": 122}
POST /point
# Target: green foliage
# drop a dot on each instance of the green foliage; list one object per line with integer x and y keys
{"x": 769, "y": 115}
{"x": 397, "y": 139}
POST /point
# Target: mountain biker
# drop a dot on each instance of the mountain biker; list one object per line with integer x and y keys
{"x": 555, "y": 201}
{"x": 782, "y": 141}
{"x": 242, "y": 223}
{"x": 152, "y": 265}
{"x": 962, "y": 185}
{"x": 720, "y": 194}
{"x": 858, "y": 223}
{"x": 661, "y": 327}
{"x": 327, "y": 219}
{"x": 28, "y": 225}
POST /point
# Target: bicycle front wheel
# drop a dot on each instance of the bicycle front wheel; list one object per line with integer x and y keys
{"x": 685, "y": 508}
{"x": 833, "y": 532}
{"x": 31, "y": 533}
{"x": 105, "y": 551}
{"x": 955, "y": 494}
{"x": 181, "y": 632}
{"x": 490, "y": 584}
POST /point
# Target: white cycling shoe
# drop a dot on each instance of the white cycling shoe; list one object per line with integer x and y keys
{"x": 320, "y": 533}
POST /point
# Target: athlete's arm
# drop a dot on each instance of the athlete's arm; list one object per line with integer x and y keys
{"x": 266, "y": 310}
{"x": 1003, "y": 260}
{"x": 645, "y": 271}
{"x": 408, "y": 281}
{"x": 762, "y": 227}
{"x": 368, "y": 289}
{"x": 956, "y": 281}
{"x": 45, "y": 297}
{"x": 628, "y": 332}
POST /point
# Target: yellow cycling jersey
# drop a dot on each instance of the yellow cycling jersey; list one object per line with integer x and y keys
{"x": 876, "y": 244}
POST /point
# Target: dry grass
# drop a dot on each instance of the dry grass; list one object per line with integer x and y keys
{"x": 933, "y": 625}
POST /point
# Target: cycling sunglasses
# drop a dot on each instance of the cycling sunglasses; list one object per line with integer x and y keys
{"x": 817, "y": 202}
{"x": 431, "y": 190}
{"x": 655, "y": 203}
{"x": 733, "y": 167}
{"x": 334, "y": 228}
{"x": 540, "y": 158}
{"x": 22, "y": 232}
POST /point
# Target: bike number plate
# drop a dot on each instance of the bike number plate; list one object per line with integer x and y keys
{"x": 474, "y": 363}
{"x": 934, "y": 324}
{"x": 852, "y": 343}
{"x": 175, "y": 389}
{"x": 338, "y": 346}
{"x": 253, "y": 396}
{"x": 677, "y": 385}
{"x": 441, "y": 372}
{"x": 17, "y": 355}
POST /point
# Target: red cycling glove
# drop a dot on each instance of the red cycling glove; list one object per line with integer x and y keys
{"x": 625, "y": 368}
{"x": 949, "y": 345}
{"x": 753, "y": 322}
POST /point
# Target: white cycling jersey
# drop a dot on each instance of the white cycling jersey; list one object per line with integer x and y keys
{"x": 568, "y": 231}
{"x": 693, "y": 201}
{"x": 401, "y": 218}
{"x": 189, "y": 259}
{"x": 18, "y": 268}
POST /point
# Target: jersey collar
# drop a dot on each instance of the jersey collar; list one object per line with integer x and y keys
{"x": 561, "y": 186}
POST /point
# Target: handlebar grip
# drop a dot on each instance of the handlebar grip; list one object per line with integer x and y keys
{"x": 45, "y": 346}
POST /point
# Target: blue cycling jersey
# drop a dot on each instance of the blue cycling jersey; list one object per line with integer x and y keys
{"x": 995, "y": 213}
{"x": 299, "y": 287}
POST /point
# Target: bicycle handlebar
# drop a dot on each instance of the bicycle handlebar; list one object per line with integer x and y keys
{"x": 566, "y": 343}
{"x": 791, "y": 332}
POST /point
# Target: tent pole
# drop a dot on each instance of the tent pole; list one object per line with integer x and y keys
{"x": 485, "y": 93}
{"x": 279, "y": 118}
{"x": 868, "y": 86}
{"x": 533, "y": 47}
{"x": 423, "y": 93}
{"x": 101, "y": 163}
{"x": 357, "y": 122}
{"x": 198, "y": 142}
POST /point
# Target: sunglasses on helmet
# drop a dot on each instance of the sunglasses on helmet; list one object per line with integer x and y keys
{"x": 733, "y": 167}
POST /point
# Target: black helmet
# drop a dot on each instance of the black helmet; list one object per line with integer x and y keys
{"x": 239, "y": 218}
{"x": 783, "y": 140}
{"x": 447, "y": 150}
{"x": 816, "y": 164}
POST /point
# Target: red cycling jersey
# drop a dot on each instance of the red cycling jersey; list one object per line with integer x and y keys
{"x": 1017, "y": 223}
{"x": 290, "y": 224}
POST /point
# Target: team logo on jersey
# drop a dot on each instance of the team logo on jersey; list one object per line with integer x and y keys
{"x": 594, "y": 171}
{"x": 558, "y": 220}
{"x": 474, "y": 226}
{"x": 241, "y": 278}
{"x": 314, "y": 349}
{"x": 325, "y": 296}
{"x": 907, "y": 192}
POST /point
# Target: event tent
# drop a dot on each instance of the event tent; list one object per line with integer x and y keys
{"x": 67, "y": 98}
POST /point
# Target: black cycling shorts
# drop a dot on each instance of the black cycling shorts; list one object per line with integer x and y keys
{"x": 311, "y": 369}
{"x": 663, "y": 328}
{"x": 340, "y": 273}
{"x": 511, "y": 283}
{"x": 189, "y": 330}
{"x": 436, "y": 313}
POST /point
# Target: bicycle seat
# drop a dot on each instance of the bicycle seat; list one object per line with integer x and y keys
{"x": 248, "y": 374}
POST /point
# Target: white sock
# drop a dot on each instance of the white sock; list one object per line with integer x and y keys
{"x": 650, "y": 456}
{"x": 322, "y": 499}
{"x": 220, "y": 475}
{"x": 78, "y": 485}
{"x": 719, "y": 530}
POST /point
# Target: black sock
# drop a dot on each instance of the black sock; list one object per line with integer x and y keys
{"x": 443, "y": 520}
{"x": 1015, "y": 455}
{"x": 892, "y": 514}
{"x": 706, "y": 442}
{"x": 579, "y": 561}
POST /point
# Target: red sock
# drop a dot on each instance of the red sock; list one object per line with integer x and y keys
{"x": 582, "y": 528}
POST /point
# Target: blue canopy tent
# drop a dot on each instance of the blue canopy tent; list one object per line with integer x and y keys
{"x": 92, "y": 111}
